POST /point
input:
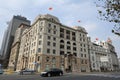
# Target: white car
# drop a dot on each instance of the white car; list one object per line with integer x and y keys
{"x": 27, "y": 72}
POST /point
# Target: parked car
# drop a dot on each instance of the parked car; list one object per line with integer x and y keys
{"x": 1, "y": 71}
{"x": 27, "y": 71}
{"x": 52, "y": 72}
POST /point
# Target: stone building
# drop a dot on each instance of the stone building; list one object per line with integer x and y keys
{"x": 8, "y": 37}
{"x": 48, "y": 44}
{"x": 102, "y": 56}
{"x": 15, "y": 46}
{"x": 98, "y": 56}
{"x": 111, "y": 54}
{"x": 119, "y": 63}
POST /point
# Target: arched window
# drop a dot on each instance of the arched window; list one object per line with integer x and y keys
{"x": 74, "y": 44}
{"x": 61, "y": 41}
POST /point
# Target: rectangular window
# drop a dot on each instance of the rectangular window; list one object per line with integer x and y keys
{"x": 39, "y": 49}
{"x": 61, "y": 46}
{"x": 67, "y": 32}
{"x": 54, "y": 32}
{"x": 81, "y": 45}
{"x": 81, "y": 55}
{"x": 93, "y": 65}
{"x": 54, "y": 44}
{"x": 83, "y": 40}
{"x": 40, "y": 42}
{"x": 48, "y": 43}
{"x": 40, "y": 29}
{"x": 54, "y": 51}
{"x": 84, "y": 55}
{"x": 74, "y": 48}
{"x": 49, "y": 25}
{"x": 67, "y": 36}
{"x": 53, "y": 66}
{"x": 54, "y": 26}
{"x": 47, "y": 67}
{"x": 61, "y": 52}
{"x": 73, "y": 33}
{"x": 83, "y": 35}
{"x": 93, "y": 58}
{"x": 73, "y": 38}
{"x": 80, "y": 34}
{"x": 40, "y": 36}
{"x": 41, "y": 23}
{"x": 81, "y": 50}
{"x": 49, "y": 37}
{"x": 54, "y": 38}
{"x": 82, "y": 61}
{"x": 38, "y": 58}
{"x": 80, "y": 39}
{"x": 61, "y": 35}
{"x": 84, "y": 45}
{"x": 48, "y": 50}
{"x": 49, "y": 31}
{"x": 61, "y": 30}
{"x": 75, "y": 54}
{"x": 84, "y": 50}
{"x": 68, "y": 47}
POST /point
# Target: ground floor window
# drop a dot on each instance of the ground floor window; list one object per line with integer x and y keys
{"x": 53, "y": 66}
{"x": 83, "y": 69}
{"x": 47, "y": 67}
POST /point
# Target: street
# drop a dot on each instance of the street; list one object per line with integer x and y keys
{"x": 67, "y": 76}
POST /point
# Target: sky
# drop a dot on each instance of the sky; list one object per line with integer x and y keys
{"x": 69, "y": 13}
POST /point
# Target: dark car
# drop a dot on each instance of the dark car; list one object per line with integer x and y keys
{"x": 27, "y": 72}
{"x": 52, "y": 72}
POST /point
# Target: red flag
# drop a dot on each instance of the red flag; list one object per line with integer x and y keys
{"x": 96, "y": 39}
{"x": 50, "y": 8}
{"x": 79, "y": 21}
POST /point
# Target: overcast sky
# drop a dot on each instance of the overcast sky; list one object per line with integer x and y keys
{"x": 68, "y": 12}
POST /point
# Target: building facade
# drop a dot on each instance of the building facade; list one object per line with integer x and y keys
{"x": 111, "y": 54}
{"x": 50, "y": 44}
{"x": 98, "y": 55}
{"x": 9, "y": 37}
{"x": 119, "y": 63}
{"x": 15, "y": 46}
{"x": 102, "y": 56}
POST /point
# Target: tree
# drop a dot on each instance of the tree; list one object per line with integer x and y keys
{"x": 109, "y": 10}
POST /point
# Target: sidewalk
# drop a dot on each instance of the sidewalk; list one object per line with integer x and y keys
{"x": 89, "y": 73}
